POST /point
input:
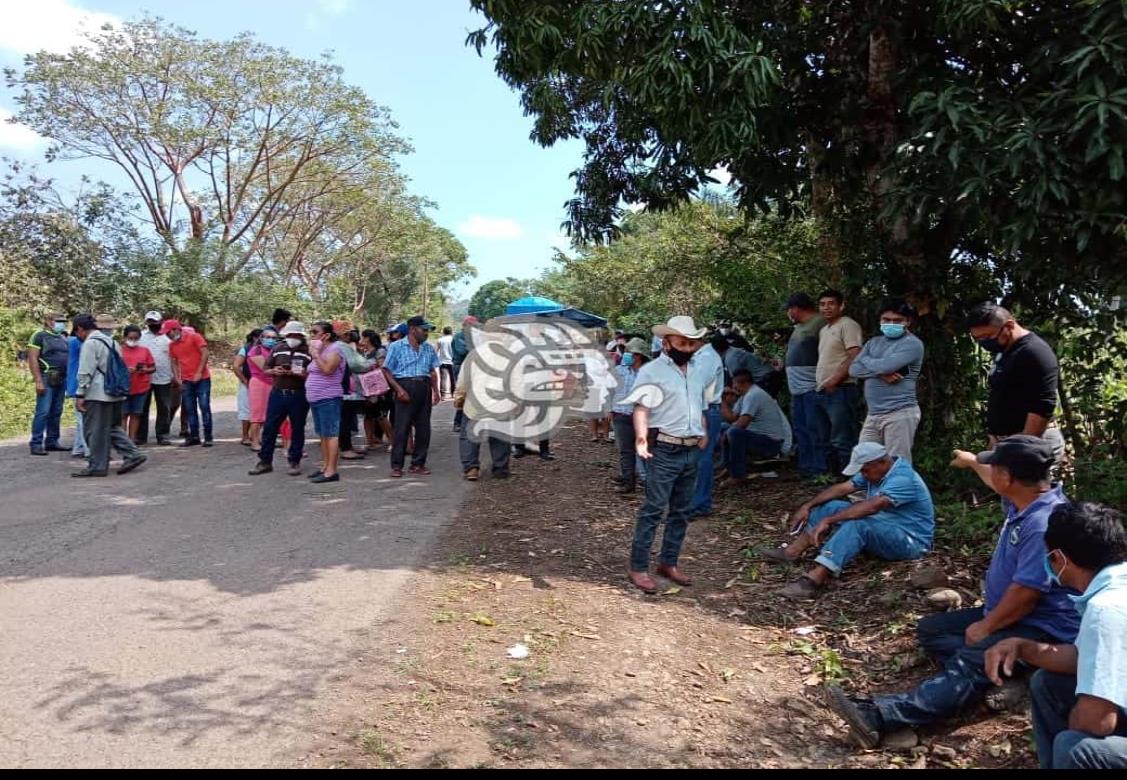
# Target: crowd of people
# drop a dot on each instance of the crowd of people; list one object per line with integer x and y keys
{"x": 687, "y": 402}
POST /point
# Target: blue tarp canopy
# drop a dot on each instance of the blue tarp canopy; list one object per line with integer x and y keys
{"x": 579, "y": 317}
{"x": 533, "y": 304}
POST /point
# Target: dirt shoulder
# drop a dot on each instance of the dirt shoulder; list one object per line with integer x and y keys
{"x": 722, "y": 674}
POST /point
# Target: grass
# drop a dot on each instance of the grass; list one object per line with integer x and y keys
{"x": 373, "y": 744}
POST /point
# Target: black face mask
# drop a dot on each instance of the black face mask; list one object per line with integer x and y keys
{"x": 680, "y": 357}
{"x": 154, "y": 328}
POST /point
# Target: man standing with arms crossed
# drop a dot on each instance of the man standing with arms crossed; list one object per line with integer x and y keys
{"x": 411, "y": 367}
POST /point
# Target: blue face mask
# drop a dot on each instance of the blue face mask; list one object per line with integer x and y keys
{"x": 269, "y": 343}
{"x": 1052, "y": 574}
{"x": 60, "y": 327}
{"x": 628, "y": 359}
{"x": 893, "y": 330}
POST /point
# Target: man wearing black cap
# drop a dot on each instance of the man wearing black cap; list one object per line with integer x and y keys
{"x": 1020, "y": 600}
{"x": 802, "y": 368}
{"x": 411, "y": 367}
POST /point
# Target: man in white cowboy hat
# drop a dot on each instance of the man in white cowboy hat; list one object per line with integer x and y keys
{"x": 101, "y": 410}
{"x": 670, "y": 430}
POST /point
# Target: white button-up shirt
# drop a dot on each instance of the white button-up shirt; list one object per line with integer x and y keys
{"x": 684, "y": 396}
{"x": 708, "y": 362}
{"x": 158, "y": 346}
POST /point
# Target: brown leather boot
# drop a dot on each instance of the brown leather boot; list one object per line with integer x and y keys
{"x": 672, "y": 574}
{"x": 643, "y": 581}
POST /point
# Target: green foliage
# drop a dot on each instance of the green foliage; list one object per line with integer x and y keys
{"x": 492, "y": 297}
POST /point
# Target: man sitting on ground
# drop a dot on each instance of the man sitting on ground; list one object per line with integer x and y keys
{"x": 895, "y": 521}
{"x": 1020, "y": 600}
{"x": 1080, "y": 693}
{"x": 759, "y": 429}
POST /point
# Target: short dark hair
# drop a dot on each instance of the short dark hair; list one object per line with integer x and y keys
{"x": 743, "y": 373}
{"x": 719, "y": 343}
{"x": 898, "y": 306}
{"x": 130, "y": 329}
{"x": 85, "y": 322}
{"x": 987, "y": 313}
{"x": 830, "y": 292}
{"x": 281, "y": 316}
{"x": 373, "y": 338}
{"x": 1092, "y": 535}
{"x": 327, "y": 327}
{"x": 800, "y": 300}
{"x": 447, "y": 331}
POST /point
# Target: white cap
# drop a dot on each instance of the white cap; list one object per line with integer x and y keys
{"x": 680, "y": 326}
{"x": 863, "y": 454}
{"x": 293, "y": 328}
{"x": 153, "y": 316}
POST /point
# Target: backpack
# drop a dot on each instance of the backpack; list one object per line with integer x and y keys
{"x": 116, "y": 379}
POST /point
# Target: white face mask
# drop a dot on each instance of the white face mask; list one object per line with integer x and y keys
{"x": 131, "y": 343}
{"x": 293, "y": 343}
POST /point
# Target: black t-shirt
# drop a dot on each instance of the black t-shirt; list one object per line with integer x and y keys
{"x": 53, "y": 350}
{"x": 1024, "y": 381}
{"x": 285, "y": 356}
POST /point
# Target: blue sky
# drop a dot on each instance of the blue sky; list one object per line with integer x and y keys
{"x": 501, "y": 194}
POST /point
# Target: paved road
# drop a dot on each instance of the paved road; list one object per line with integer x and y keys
{"x": 189, "y": 615}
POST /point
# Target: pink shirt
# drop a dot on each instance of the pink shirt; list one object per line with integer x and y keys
{"x": 255, "y": 372}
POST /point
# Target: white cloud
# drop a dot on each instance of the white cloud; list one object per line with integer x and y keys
{"x": 54, "y": 25}
{"x": 18, "y": 137}
{"x": 325, "y": 10}
{"x": 494, "y": 228}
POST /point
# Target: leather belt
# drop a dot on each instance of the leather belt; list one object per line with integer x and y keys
{"x": 680, "y": 441}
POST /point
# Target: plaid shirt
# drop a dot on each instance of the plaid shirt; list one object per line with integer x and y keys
{"x": 403, "y": 361}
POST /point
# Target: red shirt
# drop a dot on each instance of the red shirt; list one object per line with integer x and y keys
{"x": 138, "y": 357}
{"x": 188, "y": 352}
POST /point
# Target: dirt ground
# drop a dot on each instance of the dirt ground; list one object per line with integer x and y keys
{"x": 722, "y": 674}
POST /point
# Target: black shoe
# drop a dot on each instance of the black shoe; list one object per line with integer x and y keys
{"x": 191, "y": 443}
{"x": 208, "y": 443}
{"x": 624, "y": 489}
{"x": 865, "y": 724}
{"x": 320, "y": 479}
{"x": 132, "y": 463}
{"x": 547, "y": 456}
{"x": 164, "y": 443}
{"x": 520, "y": 452}
{"x": 260, "y": 468}
{"x": 317, "y": 473}
{"x": 90, "y": 473}
{"x": 57, "y": 448}
{"x": 38, "y": 451}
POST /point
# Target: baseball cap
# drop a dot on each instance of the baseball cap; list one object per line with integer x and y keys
{"x": 1026, "y": 457}
{"x": 153, "y": 316}
{"x": 170, "y": 325}
{"x": 801, "y": 300}
{"x": 470, "y": 320}
{"x": 864, "y": 453}
{"x": 420, "y": 322}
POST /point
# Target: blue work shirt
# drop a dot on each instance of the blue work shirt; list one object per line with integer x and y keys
{"x": 1020, "y": 559}
{"x": 404, "y": 361}
{"x": 74, "y": 347}
{"x": 1101, "y": 664}
{"x": 911, "y": 500}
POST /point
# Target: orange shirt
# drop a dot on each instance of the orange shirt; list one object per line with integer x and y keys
{"x": 188, "y": 352}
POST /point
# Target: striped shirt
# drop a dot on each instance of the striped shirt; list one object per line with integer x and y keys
{"x": 404, "y": 361}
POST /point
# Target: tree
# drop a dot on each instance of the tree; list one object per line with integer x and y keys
{"x": 930, "y": 139}
{"x": 226, "y": 141}
{"x": 492, "y": 297}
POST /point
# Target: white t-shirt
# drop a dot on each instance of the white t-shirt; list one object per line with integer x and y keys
{"x": 445, "y": 350}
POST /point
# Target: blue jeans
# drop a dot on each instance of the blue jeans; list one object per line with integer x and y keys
{"x": 198, "y": 394}
{"x": 48, "y": 412}
{"x": 672, "y": 477}
{"x": 880, "y": 535}
{"x": 835, "y": 416}
{"x": 702, "y": 498}
{"x": 1054, "y": 696}
{"x": 803, "y": 414}
{"x": 282, "y": 405}
{"x": 742, "y": 443}
{"x": 963, "y": 678}
{"x": 79, "y": 446}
